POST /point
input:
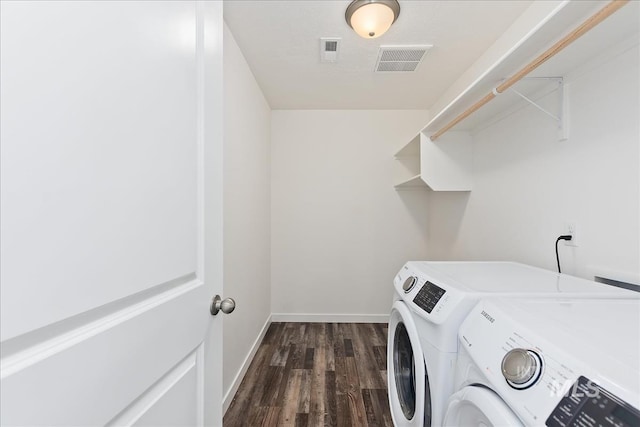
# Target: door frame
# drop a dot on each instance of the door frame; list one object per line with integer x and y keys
{"x": 209, "y": 28}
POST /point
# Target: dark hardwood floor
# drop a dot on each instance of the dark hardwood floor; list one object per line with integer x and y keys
{"x": 315, "y": 374}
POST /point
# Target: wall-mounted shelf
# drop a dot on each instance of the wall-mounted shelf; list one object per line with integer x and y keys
{"x": 409, "y": 150}
{"x": 542, "y": 25}
{"x": 446, "y": 164}
{"x": 413, "y": 183}
{"x": 408, "y": 158}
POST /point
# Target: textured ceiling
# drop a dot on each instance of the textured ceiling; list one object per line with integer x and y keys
{"x": 280, "y": 40}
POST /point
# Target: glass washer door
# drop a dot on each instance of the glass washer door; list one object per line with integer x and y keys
{"x": 406, "y": 370}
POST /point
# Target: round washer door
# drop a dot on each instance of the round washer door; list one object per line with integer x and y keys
{"x": 407, "y": 381}
{"x": 478, "y": 406}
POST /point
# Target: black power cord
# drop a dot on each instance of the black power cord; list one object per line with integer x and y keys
{"x": 565, "y": 237}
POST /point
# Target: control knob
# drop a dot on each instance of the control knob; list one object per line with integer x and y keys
{"x": 409, "y": 283}
{"x": 521, "y": 368}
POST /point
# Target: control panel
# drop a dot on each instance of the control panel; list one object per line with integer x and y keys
{"x": 428, "y": 296}
{"x": 589, "y": 405}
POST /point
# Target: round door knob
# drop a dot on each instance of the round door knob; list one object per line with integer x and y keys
{"x": 521, "y": 368}
{"x": 226, "y": 305}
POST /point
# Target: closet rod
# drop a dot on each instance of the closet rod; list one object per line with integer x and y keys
{"x": 587, "y": 25}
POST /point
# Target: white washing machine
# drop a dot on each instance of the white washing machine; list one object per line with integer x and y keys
{"x": 548, "y": 363}
{"x": 430, "y": 302}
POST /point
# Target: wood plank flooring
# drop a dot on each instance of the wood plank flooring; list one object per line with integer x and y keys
{"x": 315, "y": 374}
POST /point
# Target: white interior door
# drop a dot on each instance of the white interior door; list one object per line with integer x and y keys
{"x": 111, "y": 224}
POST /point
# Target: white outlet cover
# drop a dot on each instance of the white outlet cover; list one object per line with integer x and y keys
{"x": 571, "y": 228}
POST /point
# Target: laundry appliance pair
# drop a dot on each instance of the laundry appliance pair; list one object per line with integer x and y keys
{"x": 431, "y": 302}
{"x": 574, "y": 362}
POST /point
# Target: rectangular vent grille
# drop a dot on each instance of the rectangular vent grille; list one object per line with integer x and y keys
{"x": 397, "y": 66}
{"x": 329, "y": 49}
{"x": 331, "y": 46}
{"x": 400, "y": 58}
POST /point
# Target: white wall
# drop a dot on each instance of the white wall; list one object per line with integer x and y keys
{"x": 340, "y": 232}
{"x": 247, "y": 119}
{"x": 527, "y": 184}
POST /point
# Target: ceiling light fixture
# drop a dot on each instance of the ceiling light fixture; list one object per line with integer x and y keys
{"x": 372, "y": 18}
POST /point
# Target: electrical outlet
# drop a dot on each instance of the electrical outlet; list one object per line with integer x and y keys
{"x": 572, "y": 229}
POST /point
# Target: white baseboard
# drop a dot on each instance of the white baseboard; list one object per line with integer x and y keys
{"x": 228, "y": 397}
{"x": 330, "y": 318}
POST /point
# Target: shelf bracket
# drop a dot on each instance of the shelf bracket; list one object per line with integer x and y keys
{"x": 563, "y": 116}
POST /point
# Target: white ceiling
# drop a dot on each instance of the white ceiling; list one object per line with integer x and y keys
{"x": 280, "y": 40}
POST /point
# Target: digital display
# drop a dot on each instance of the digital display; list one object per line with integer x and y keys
{"x": 625, "y": 416}
{"x": 428, "y": 296}
{"x": 589, "y": 405}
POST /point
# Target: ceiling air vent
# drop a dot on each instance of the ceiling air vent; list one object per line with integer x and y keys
{"x": 400, "y": 58}
{"x": 329, "y": 48}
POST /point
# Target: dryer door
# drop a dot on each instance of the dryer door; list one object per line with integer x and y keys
{"x": 478, "y": 406}
{"x": 407, "y": 380}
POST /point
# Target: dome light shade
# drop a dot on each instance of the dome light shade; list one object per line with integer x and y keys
{"x": 372, "y": 18}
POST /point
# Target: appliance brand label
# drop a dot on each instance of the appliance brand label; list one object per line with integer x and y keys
{"x": 488, "y": 316}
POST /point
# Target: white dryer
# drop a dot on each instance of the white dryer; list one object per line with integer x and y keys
{"x": 548, "y": 363}
{"x": 431, "y": 300}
